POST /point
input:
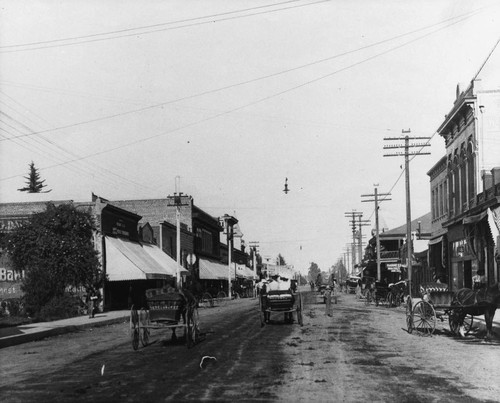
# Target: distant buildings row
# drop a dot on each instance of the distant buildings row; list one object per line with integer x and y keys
{"x": 137, "y": 245}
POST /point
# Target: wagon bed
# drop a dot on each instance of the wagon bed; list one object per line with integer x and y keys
{"x": 165, "y": 310}
{"x": 283, "y": 301}
{"x": 436, "y": 302}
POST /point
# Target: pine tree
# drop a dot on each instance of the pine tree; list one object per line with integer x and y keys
{"x": 34, "y": 184}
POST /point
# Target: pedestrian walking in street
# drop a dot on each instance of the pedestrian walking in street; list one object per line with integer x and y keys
{"x": 328, "y": 301}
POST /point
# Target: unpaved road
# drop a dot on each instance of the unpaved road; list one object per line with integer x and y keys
{"x": 357, "y": 353}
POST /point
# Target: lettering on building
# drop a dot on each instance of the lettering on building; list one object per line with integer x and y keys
{"x": 120, "y": 228}
{"x": 11, "y": 275}
{"x": 9, "y": 224}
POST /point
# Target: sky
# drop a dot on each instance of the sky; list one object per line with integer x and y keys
{"x": 120, "y": 98}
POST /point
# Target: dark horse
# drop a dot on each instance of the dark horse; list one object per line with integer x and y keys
{"x": 481, "y": 302}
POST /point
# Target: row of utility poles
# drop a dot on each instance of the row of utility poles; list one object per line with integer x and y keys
{"x": 408, "y": 145}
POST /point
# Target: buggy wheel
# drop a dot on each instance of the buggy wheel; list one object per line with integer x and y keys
{"x": 390, "y": 300}
{"x": 206, "y": 300}
{"x": 193, "y": 327}
{"x": 409, "y": 316}
{"x": 424, "y": 318}
{"x": 144, "y": 321}
{"x": 221, "y": 298}
{"x": 397, "y": 300}
{"x": 299, "y": 311}
{"x": 134, "y": 328}
{"x": 368, "y": 298}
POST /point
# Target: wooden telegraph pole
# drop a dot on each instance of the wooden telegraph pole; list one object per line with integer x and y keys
{"x": 361, "y": 224}
{"x": 375, "y": 199}
{"x": 353, "y": 215}
{"x": 406, "y": 146}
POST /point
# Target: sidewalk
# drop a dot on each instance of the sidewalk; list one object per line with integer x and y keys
{"x": 11, "y": 336}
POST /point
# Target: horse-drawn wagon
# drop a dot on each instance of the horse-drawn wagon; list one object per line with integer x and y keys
{"x": 460, "y": 307}
{"x": 351, "y": 284}
{"x": 280, "y": 301}
{"x": 166, "y": 309}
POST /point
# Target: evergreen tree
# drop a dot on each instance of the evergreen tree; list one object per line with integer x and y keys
{"x": 34, "y": 184}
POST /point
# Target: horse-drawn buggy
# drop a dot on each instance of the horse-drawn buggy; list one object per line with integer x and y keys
{"x": 396, "y": 294}
{"x": 166, "y": 309}
{"x": 284, "y": 302}
{"x": 351, "y": 284}
{"x": 460, "y": 307}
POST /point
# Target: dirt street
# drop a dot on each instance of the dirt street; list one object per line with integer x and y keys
{"x": 357, "y": 353}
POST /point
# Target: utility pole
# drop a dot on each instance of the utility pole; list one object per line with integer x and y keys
{"x": 375, "y": 196}
{"x": 407, "y": 154}
{"x": 254, "y": 246}
{"x": 229, "y": 223}
{"x": 178, "y": 203}
{"x": 361, "y": 224}
{"x": 353, "y": 215}
{"x": 347, "y": 251}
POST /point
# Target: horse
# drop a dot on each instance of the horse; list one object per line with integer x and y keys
{"x": 480, "y": 302}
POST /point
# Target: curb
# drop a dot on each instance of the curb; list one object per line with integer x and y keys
{"x": 14, "y": 340}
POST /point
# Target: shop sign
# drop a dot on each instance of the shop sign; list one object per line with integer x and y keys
{"x": 394, "y": 267}
{"x": 120, "y": 228}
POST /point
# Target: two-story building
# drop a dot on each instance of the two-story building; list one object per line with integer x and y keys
{"x": 465, "y": 197}
{"x": 438, "y": 261}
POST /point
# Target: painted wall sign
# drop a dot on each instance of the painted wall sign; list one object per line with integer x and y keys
{"x": 9, "y": 224}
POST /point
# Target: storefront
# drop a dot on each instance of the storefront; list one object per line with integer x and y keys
{"x": 438, "y": 258}
{"x": 131, "y": 266}
{"x": 214, "y": 276}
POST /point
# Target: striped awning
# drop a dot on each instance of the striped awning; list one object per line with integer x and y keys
{"x": 128, "y": 260}
{"x": 212, "y": 270}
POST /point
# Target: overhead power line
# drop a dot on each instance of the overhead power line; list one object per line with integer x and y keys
{"x": 242, "y": 106}
{"x": 460, "y": 18}
{"x": 105, "y": 36}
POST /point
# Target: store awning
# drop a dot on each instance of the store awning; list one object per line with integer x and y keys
{"x": 127, "y": 260}
{"x": 494, "y": 224}
{"x": 165, "y": 261}
{"x": 243, "y": 271}
{"x": 475, "y": 218}
{"x": 211, "y": 270}
{"x": 436, "y": 240}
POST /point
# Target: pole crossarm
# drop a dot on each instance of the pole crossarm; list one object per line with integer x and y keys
{"x": 375, "y": 199}
{"x": 407, "y": 153}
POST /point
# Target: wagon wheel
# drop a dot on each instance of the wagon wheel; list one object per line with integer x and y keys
{"x": 207, "y": 300}
{"x": 468, "y": 321}
{"x": 409, "y": 315}
{"x": 134, "y": 328}
{"x": 398, "y": 300}
{"x": 299, "y": 311}
{"x": 391, "y": 300}
{"x": 221, "y": 298}
{"x": 193, "y": 326}
{"x": 424, "y": 318}
{"x": 144, "y": 323}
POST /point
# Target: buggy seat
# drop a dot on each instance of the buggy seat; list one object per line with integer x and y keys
{"x": 280, "y": 300}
